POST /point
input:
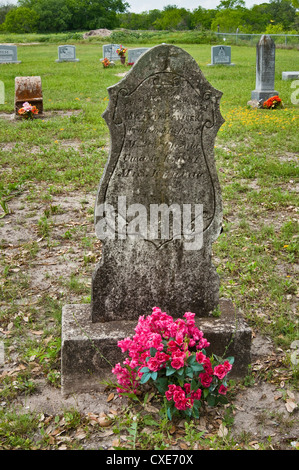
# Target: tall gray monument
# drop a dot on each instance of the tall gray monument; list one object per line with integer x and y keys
{"x": 158, "y": 210}
{"x": 265, "y": 69}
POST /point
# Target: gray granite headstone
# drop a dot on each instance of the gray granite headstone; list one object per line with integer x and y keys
{"x": 8, "y": 54}
{"x": 221, "y": 55}
{"x": 109, "y": 51}
{"x": 265, "y": 69}
{"x": 134, "y": 54}
{"x": 67, "y": 54}
{"x": 163, "y": 118}
{"x": 290, "y": 75}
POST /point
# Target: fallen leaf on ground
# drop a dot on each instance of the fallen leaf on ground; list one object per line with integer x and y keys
{"x": 110, "y": 397}
{"x": 290, "y": 405}
{"x": 223, "y": 431}
{"x": 104, "y": 421}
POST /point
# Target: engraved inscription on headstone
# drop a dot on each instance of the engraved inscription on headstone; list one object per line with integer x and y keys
{"x": 109, "y": 51}
{"x": 8, "y": 54}
{"x": 265, "y": 69}
{"x": 221, "y": 55}
{"x": 158, "y": 207}
{"x": 67, "y": 54}
{"x": 134, "y": 54}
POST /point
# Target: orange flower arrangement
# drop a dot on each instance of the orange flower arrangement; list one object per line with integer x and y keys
{"x": 27, "y": 110}
{"x": 273, "y": 103}
{"x": 105, "y": 62}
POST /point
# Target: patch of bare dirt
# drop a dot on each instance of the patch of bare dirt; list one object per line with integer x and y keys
{"x": 261, "y": 410}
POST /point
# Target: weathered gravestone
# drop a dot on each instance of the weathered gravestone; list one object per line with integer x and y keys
{"x": 134, "y": 54}
{"x": 265, "y": 69}
{"x": 29, "y": 89}
{"x": 8, "y": 54}
{"x": 158, "y": 211}
{"x": 67, "y": 54}
{"x": 109, "y": 51}
{"x": 221, "y": 55}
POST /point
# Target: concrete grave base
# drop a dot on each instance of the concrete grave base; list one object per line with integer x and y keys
{"x": 11, "y": 62}
{"x": 67, "y": 60}
{"x": 89, "y": 350}
{"x": 227, "y": 65}
{"x": 257, "y": 95}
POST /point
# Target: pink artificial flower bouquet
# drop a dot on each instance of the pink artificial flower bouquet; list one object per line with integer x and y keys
{"x": 171, "y": 355}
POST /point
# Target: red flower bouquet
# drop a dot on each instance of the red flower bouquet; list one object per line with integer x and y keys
{"x": 171, "y": 355}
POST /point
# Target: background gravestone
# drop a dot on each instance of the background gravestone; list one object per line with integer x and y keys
{"x": 29, "y": 89}
{"x": 2, "y": 93}
{"x": 265, "y": 69}
{"x": 109, "y": 51}
{"x": 163, "y": 118}
{"x": 8, "y": 54}
{"x": 134, "y": 54}
{"x": 67, "y": 54}
{"x": 221, "y": 55}
{"x": 290, "y": 75}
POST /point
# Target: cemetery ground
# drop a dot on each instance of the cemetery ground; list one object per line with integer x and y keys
{"x": 50, "y": 171}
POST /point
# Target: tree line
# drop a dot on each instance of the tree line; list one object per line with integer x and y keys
{"x": 54, "y": 16}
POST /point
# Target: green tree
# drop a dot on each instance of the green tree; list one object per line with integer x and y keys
{"x": 230, "y": 4}
{"x": 4, "y": 9}
{"x": 173, "y": 18}
{"x": 21, "y": 20}
{"x": 228, "y": 20}
{"x": 202, "y": 18}
{"x": 282, "y": 12}
{"x": 71, "y": 15}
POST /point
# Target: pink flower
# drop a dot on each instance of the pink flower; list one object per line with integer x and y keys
{"x": 227, "y": 366}
{"x": 187, "y": 387}
{"x": 205, "y": 379}
{"x": 208, "y": 366}
{"x": 178, "y": 359}
{"x": 200, "y": 357}
{"x": 220, "y": 371}
{"x": 196, "y": 395}
{"x": 169, "y": 392}
{"x": 222, "y": 390}
{"x": 153, "y": 364}
{"x": 177, "y": 363}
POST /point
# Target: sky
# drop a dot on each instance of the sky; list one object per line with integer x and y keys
{"x": 137, "y": 6}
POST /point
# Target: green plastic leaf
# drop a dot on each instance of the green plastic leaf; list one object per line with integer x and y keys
{"x": 144, "y": 369}
{"x": 154, "y": 375}
{"x": 231, "y": 359}
{"x": 145, "y": 378}
{"x": 197, "y": 367}
{"x": 170, "y": 371}
{"x": 153, "y": 352}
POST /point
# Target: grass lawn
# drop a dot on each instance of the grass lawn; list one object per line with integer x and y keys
{"x": 50, "y": 171}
